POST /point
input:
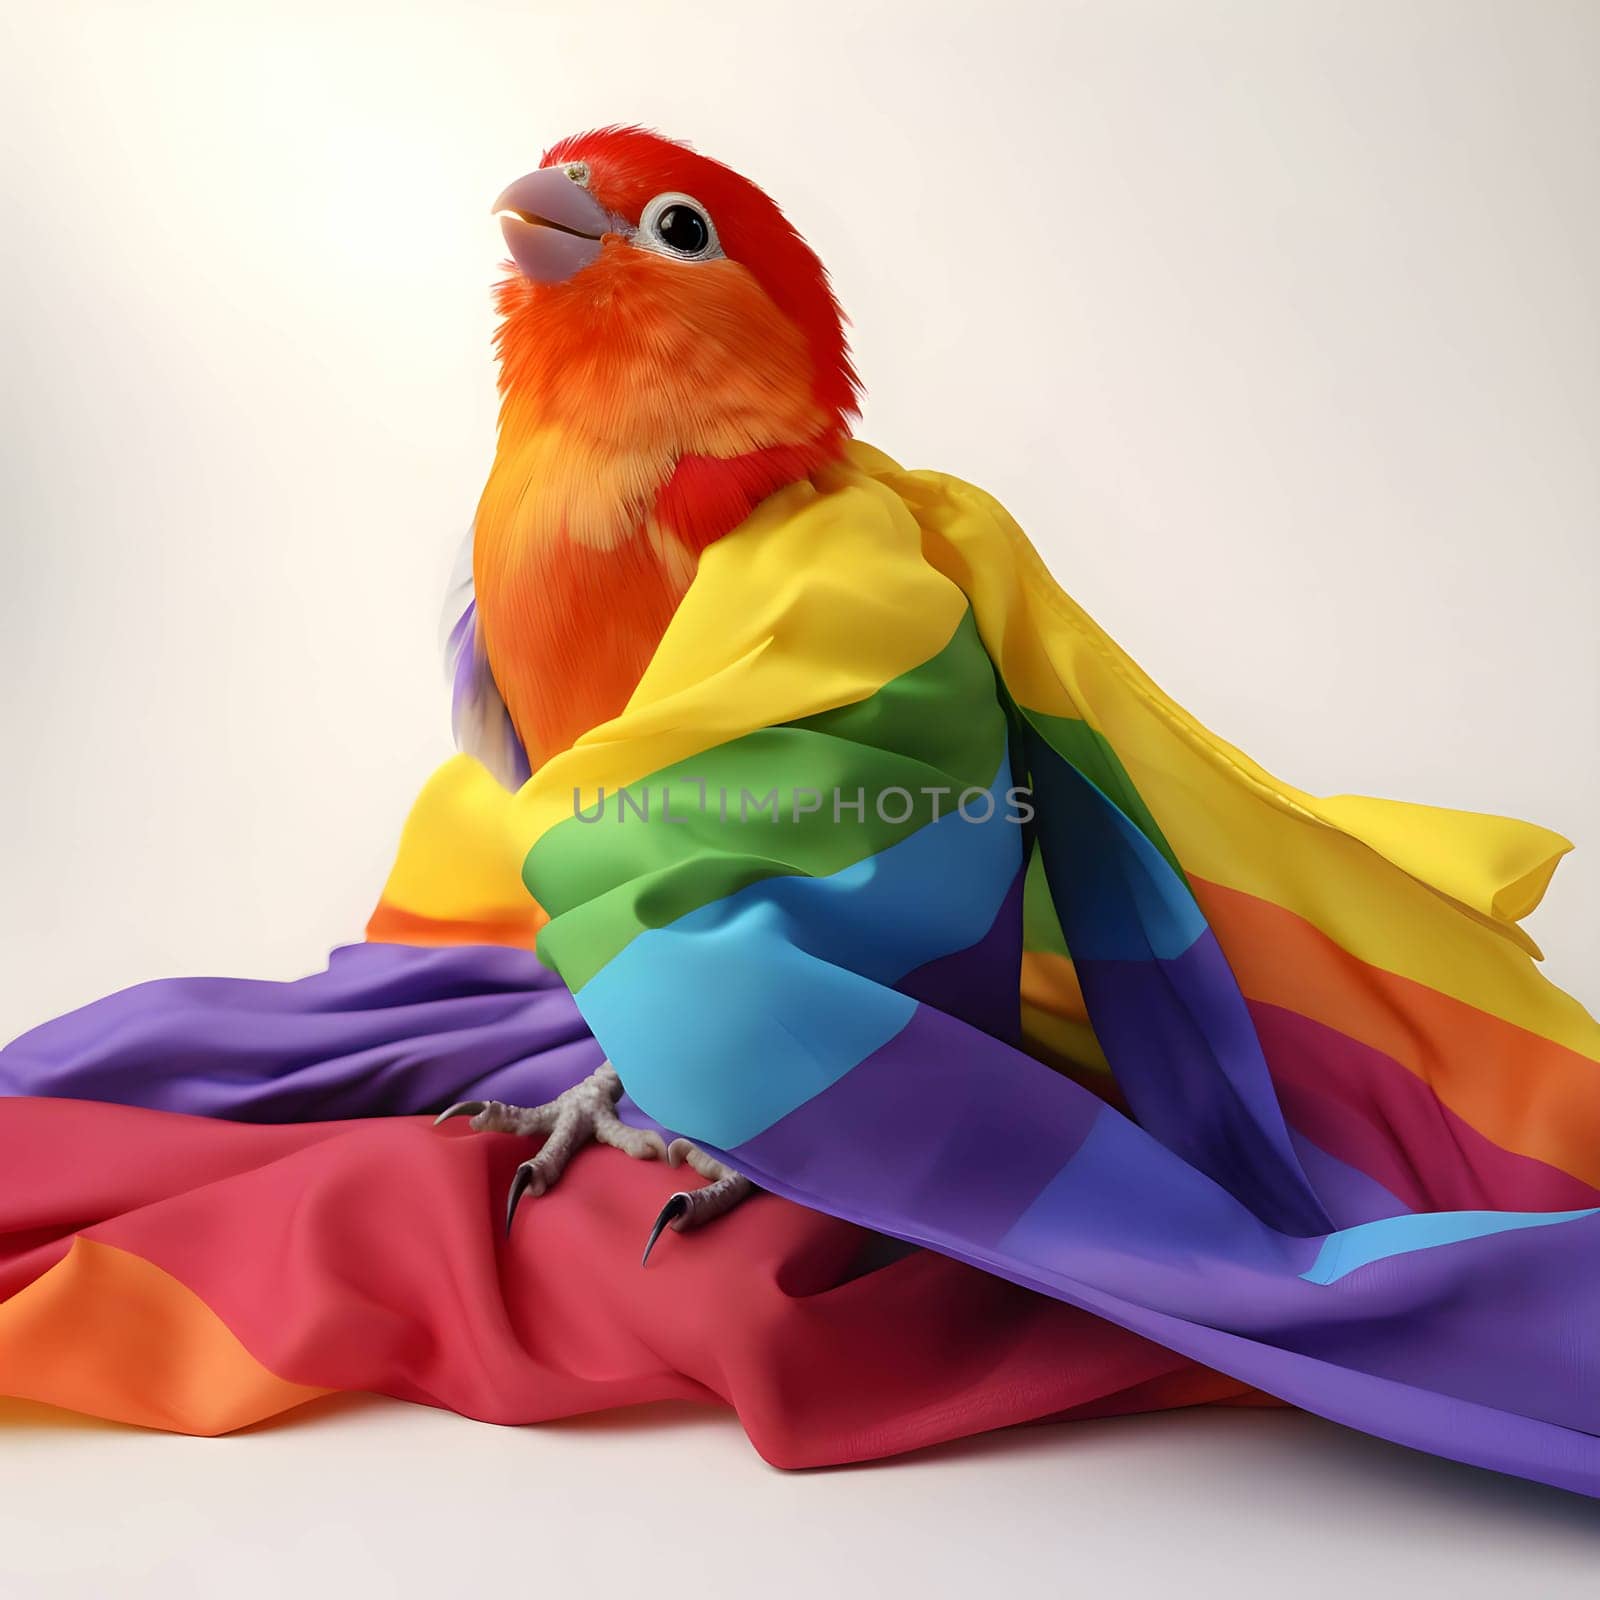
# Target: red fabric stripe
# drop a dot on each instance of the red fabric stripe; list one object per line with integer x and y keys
{"x": 1365, "y": 1108}
{"x": 368, "y": 1255}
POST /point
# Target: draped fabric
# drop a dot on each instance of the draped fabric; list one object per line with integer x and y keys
{"x": 212, "y": 1250}
{"x": 1285, "y": 1091}
{"x": 899, "y": 886}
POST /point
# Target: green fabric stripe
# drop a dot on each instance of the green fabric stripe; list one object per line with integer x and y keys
{"x": 1041, "y": 927}
{"x": 604, "y": 882}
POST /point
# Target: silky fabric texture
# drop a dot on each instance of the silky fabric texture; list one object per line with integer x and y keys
{"x": 199, "y": 1276}
{"x": 1264, "y": 1078}
{"x": 187, "y": 1267}
{"x": 1345, "y": 1138}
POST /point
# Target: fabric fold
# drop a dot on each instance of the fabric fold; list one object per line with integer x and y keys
{"x": 901, "y": 887}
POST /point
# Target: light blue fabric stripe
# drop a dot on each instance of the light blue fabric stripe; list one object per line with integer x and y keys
{"x": 787, "y": 979}
{"x": 1342, "y": 1253}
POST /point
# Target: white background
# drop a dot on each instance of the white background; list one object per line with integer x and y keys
{"x": 1274, "y": 322}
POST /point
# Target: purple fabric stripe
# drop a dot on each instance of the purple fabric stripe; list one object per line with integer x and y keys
{"x": 1489, "y": 1319}
{"x": 1470, "y": 1349}
{"x": 1185, "y": 1054}
{"x": 386, "y": 1030}
{"x": 1504, "y": 1440}
{"x": 1347, "y": 1194}
{"x": 981, "y": 984}
{"x": 926, "y": 1100}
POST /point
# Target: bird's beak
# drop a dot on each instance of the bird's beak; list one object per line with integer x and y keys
{"x": 552, "y": 225}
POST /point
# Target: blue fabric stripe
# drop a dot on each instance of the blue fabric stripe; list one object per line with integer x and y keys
{"x": 788, "y": 979}
{"x": 1163, "y": 1000}
{"x": 1345, "y": 1252}
{"x": 1117, "y": 896}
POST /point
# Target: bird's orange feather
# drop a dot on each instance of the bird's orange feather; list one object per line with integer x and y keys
{"x": 647, "y": 405}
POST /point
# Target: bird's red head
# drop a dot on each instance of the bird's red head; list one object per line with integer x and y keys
{"x": 663, "y": 310}
{"x": 716, "y": 211}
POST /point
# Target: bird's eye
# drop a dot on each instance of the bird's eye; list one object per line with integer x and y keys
{"x": 683, "y": 229}
{"x": 678, "y": 225}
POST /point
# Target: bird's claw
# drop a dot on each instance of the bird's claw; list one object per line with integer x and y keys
{"x": 520, "y": 1185}
{"x": 587, "y": 1111}
{"x": 692, "y": 1208}
{"x": 677, "y": 1206}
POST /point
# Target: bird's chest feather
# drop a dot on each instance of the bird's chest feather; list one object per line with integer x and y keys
{"x": 575, "y": 585}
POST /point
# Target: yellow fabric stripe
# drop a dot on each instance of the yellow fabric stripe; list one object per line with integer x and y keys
{"x": 1057, "y": 1039}
{"x": 459, "y": 867}
{"x": 818, "y": 600}
{"x": 1427, "y": 893}
{"x": 821, "y": 597}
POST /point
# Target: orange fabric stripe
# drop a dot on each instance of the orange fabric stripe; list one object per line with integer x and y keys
{"x": 392, "y": 924}
{"x": 1050, "y": 982}
{"x": 1527, "y": 1093}
{"x": 110, "y": 1334}
{"x": 1055, "y": 1024}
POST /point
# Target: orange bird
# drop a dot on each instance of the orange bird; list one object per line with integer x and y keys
{"x": 670, "y": 354}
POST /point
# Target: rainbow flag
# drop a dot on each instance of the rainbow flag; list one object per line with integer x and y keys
{"x": 898, "y": 885}
{"x": 901, "y": 888}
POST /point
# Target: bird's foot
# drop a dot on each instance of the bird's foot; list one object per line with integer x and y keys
{"x": 585, "y": 1112}
{"x": 693, "y": 1208}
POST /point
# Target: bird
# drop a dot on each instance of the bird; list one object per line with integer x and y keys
{"x": 671, "y": 353}
{"x": 889, "y": 885}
